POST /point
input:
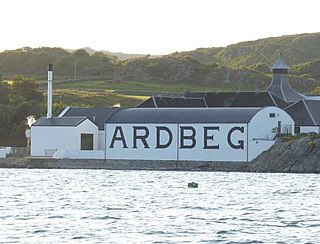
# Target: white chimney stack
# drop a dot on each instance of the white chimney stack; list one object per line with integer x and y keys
{"x": 49, "y": 101}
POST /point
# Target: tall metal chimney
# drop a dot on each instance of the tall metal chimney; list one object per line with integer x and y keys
{"x": 49, "y": 101}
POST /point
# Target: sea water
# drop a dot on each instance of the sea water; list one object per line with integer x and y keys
{"x": 102, "y": 206}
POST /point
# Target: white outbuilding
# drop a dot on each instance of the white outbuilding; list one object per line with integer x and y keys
{"x": 71, "y": 134}
{"x": 195, "y": 134}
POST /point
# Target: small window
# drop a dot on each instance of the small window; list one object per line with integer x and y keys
{"x": 272, "y": 115}
{"x": 86, "y": 141}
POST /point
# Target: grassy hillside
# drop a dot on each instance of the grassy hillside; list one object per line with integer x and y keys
{"x": 83, "y": 98}
{"x": 105, "y": 93}
{"x": 294, "y": 49}
{"x": 242, "y": 66}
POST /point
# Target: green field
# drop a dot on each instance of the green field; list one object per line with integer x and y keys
{"x": 89, "y": 98}
{"x": 104, "y": 93}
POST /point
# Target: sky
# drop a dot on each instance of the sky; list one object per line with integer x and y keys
{"x": 151, "y": 26}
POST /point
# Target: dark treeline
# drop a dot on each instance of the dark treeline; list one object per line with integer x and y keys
{"x": 18, "y": 99}
{"x": 33, "y": 62}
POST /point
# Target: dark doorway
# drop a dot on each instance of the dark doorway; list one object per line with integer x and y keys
{"x": 297, "y": 130}
{"x": 279, "y": 128}
{"x": 86, "y": 141}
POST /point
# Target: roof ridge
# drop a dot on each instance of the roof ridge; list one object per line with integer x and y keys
{"x": 309, "y": 112}
{"x": 154, "y": 101}
{"x": 274, "y": 101}
{"x": 83, "y": 119}
{"x": 64, "y": 111}
{"x": 281, "y": 89}
{"x": 280, "y": 64}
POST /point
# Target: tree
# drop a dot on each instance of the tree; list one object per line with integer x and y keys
{"x": 25, "y": 89}
{"x": 13, "y": 121}
{"x": 81, "y": 53}
{"x": 4, "y": 93}
{"x": 17, "y": 102}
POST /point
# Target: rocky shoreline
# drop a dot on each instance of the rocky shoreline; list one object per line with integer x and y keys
{"x": 300, "y": 155}
{"x": 292, "y": 155}
{"x": 49, "y": 163}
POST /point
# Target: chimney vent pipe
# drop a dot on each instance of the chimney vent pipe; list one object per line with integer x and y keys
{"x": 49, "y": 101}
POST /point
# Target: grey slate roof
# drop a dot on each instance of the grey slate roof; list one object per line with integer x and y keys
{"x": 183, "y": 115}
{"x": 60, "y": 121}
{"x": 280, "y": 87}
{"x": 280, "y": 64}
{"x": 314, "y": 109}
{"x": 305, "y": 112}
{"x": 167, "y": 102}
{"x": 97, "y": 115}
{"x": 239, "y": 99}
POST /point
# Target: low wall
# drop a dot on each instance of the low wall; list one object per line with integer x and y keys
{"x": 95, "y": 154}
{"x": 4, "y": 151}
{"x": 14, "y": 152}
{"x": 50, "y": 163}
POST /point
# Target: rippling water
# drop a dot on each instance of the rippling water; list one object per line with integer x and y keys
{"x": 101, "y": 206}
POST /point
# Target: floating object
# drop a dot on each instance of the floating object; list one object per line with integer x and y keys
{"x": 193, "y": 185}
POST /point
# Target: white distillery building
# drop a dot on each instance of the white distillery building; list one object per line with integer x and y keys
{"x": 75, "y": 137}
{"x": 97, "y": 115}
{"x": 238, "y": 133}
{"x": 196, "y": 134}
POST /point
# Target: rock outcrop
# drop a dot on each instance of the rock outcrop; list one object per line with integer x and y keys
{"x": 290, "y": 156}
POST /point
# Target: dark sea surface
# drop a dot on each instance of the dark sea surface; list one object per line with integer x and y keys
{"x": 102, "y": 206}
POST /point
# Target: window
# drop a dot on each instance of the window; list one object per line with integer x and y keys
{"x": 297, "y": 129}
{"x": 272, "y": 115}
{"x": 86, "y": 141}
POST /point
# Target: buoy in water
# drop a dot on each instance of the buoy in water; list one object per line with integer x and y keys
{"x": 193, "y": 185}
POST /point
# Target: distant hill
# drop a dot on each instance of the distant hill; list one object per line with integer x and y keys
{"x": 241, "y": 66}
{"x": 120, "y": 56}
{"x": 294, "y": 49}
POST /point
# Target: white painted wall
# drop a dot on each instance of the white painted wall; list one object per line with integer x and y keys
{"x": 309, "y": 129}
{"x": 225, "y": 151}
{"x": 90, "y": 128}
{"x": 256, "y": 147}
{"x": 44, "y": 138}
{"x": 52, "y": 138}
{"x": 118, "y": 151}
{"x": 101, "y": 140}
{"x": 187, "y": 149}
{"x": 263, "y": 128}
{"x": 312, "y": 98}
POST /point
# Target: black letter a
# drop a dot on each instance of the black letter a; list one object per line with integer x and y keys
{"x": 118, "y": 138}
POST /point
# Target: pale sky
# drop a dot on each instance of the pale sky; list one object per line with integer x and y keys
{"x": 151, "y": 26}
